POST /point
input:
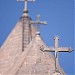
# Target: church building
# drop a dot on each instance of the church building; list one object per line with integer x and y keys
{"x": 25, "y": 53}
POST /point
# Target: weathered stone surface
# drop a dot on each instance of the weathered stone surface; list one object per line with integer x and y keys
{"x": 38, "y": 62}
{"x": 32, "y": 61}
{"x": 12, "y": 48}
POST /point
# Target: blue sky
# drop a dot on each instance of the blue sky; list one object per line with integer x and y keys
{"x": 60, "y": 17}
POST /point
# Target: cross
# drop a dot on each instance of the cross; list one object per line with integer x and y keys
{"x": 56, "y": 49}
{"x": 25, "y": 3}
{"x": 38, "y": 22}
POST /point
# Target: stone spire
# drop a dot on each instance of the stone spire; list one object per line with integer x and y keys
{"x": 21, "y": 53}
{"x": 26, "y": 27}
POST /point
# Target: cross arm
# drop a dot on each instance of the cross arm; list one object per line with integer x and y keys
{"x": 47, "y": 49}
{"x": 26, "y": 0}
{"x": 65, "y": 49}
{"x": 38, "y": 22}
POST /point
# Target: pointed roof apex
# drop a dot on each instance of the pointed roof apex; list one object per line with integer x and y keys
{"x": 25, "y": 11}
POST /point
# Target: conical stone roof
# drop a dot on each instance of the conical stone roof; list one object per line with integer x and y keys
{"x": 30, "y": 61}
{"x": 12, "y": 47}
{"x": 37, "y": 62}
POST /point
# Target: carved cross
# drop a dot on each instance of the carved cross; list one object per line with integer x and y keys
{"x": 38, "y": 22}
{"x": 25, "y": 3}
{"x": 56, "y": 49}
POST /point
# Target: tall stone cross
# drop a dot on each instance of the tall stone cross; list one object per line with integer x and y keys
{"x": 25, "y": 4}
{"x": 56, "y": 49}
{"x": 37, "y": 23}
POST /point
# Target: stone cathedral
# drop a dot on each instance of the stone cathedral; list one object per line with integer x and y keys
{"x": 25, "y": 53}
